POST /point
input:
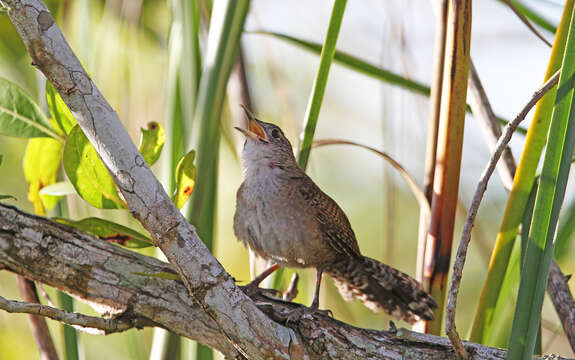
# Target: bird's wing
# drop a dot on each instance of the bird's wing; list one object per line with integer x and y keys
{"x": 333, "y": 223}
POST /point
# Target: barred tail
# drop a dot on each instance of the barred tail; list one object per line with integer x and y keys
{"x": 380, "y": 286}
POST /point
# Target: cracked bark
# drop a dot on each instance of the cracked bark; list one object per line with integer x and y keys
{"x": 103, "y": 275}
{"x": 211, "y": 286}
{"x": 207, "y": 305}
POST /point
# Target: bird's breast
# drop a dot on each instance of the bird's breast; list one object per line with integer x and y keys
{"x": 272, "y": 218}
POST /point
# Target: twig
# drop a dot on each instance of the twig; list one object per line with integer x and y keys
{"x": 89, "y": 324}
{"x": 482, "y": 111}
{"x": 527, "y": 23}
{"x": 38, "y": 324}
{"x": 477, "y": 197}
{"x": 562, "y": 300}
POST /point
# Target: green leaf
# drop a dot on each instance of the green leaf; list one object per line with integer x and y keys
{"x": 59, "y": 110}
{"x": 152, "y": 142}
{"x": 159, "y": 275}
{"x": 532, "y": 15}
{"x": 355, "y": 63}
{"x": 1, "y": 158}
{"x": 110, "y": 231}
{"x": 20, "y": 115}
{"x": 565, "y": 231}
{"x": 519, "y": 196}
{"x": 41, "y": 165}
{"x": 88, "y": 173}
{"x": 548, "y": 202}
{"x": 316, "y": 96}
{"x": 4, "y": 197}
{"x": 185, "y": 179}
{"x": 61, "y": 188}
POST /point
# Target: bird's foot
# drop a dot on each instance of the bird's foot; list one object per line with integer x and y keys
{"x": 299, "y": 313}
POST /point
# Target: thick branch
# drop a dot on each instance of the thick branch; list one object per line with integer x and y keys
{"x": 237, "y": 317}
{"x": 105, "y": 276}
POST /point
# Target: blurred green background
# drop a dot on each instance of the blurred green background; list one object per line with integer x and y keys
{"x": 124, "y": 46}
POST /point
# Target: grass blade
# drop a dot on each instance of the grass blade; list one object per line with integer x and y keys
{"x": 550, "y": 195}
{"x": 320, "y": 82}
{"x": 316, "y": 97}
{"x": 354, "y": 63}
{"x": 522, "y": 184}
{"x": 449, "y": 148}
{"x": 364, "y": 67}
{"x": 532, "y": 15}
{"x": 70, "y": 335}
{"x": 226, "y": 26}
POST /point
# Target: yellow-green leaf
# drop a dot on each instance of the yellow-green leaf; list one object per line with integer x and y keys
{"x": 152, "y": 142}
{"x": 110, "y": 231}
{"x": 185, "y": 179}
{"x": 41, "y": 165}
{"x": 59, "y": 110}
{"x": 88, "y": 173}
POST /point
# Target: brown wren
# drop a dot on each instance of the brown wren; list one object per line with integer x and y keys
{"x": 282, "y": 215}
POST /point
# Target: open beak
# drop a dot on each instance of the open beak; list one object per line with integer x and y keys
{"x": 254, "y": 130}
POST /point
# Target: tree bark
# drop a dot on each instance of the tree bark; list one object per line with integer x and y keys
{"x": 205, "y": 305}
{"x": 111, "y": 279}
{"x": 212, "y": 288}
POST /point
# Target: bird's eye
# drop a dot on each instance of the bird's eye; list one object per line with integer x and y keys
{"x": 275, "y": 133}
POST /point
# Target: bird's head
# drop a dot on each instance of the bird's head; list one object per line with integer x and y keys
{"x": 265, "y": 144}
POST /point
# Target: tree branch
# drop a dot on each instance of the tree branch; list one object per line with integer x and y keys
{"x": 562, "y": 300}
{"x": 89, "y": 324}
{"x": 104, "y": 275}
{"x": 459, "y": 262}
{"x": 232, "y": 312}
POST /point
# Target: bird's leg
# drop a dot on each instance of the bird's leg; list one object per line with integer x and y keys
{"x": 315, "y": 302}
{"x": 253, "y": 286}
{"x": 296, "y": 314}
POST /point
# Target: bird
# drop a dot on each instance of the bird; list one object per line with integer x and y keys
{"x": 283, "y": 216}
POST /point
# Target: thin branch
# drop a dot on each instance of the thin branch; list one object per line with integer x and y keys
{"x": 562, "y": 300}
{"x": 477, "y": 197}
{"x": 89, "y": 324}
{"x": 483, "y": 112}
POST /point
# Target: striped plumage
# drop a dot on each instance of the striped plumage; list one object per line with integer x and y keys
{"x": 282, "y": 215}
